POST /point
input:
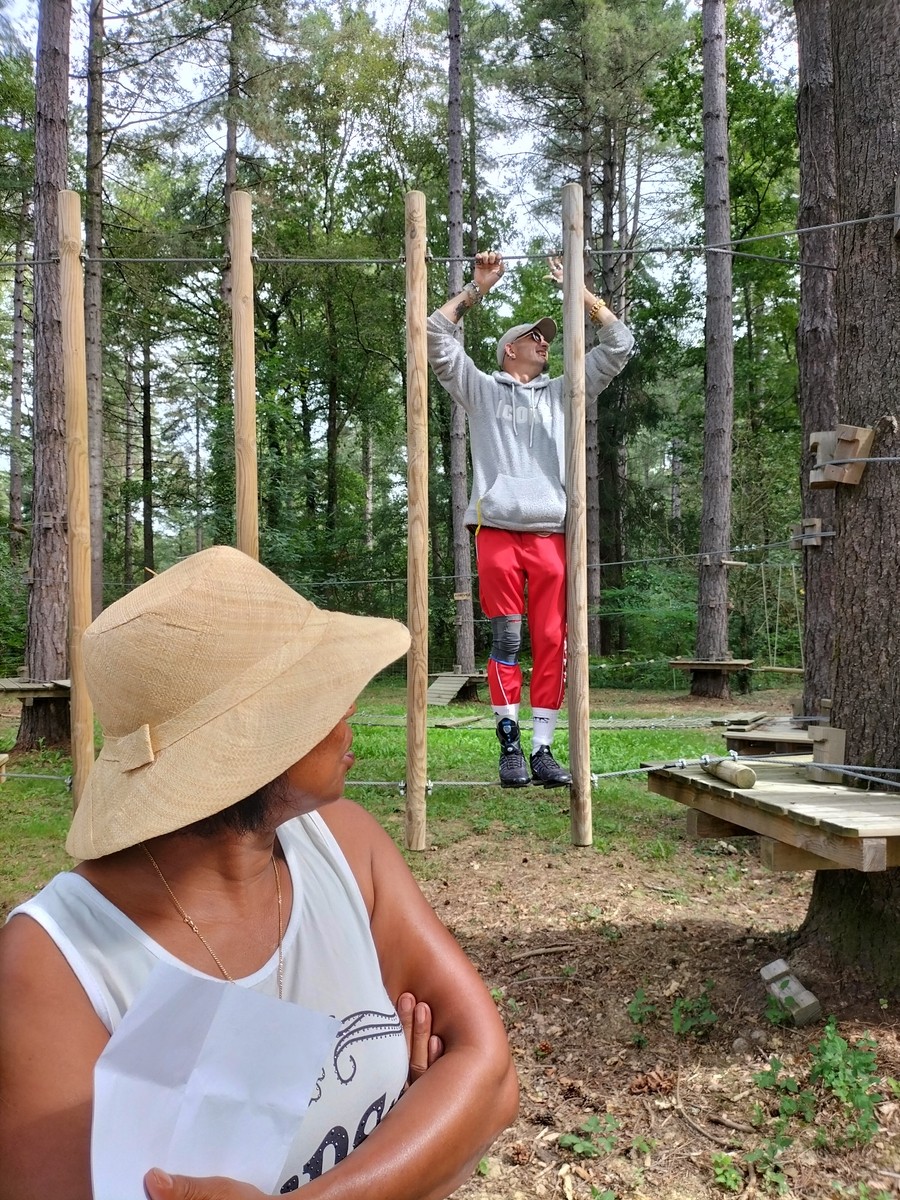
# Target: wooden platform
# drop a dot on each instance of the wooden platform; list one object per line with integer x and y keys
{"x": 802, "y": 826}
{"x": 775, "y": 736}
{"x": 29, "y": 690}
{"x": 698, "y": 664}
{"x": 446, "y": 687}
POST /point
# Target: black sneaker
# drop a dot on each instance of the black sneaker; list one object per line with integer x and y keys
{"x": 513, "y": 772}
{"x": 547, "y": 771}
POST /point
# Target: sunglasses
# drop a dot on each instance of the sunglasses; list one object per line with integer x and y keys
{"x": 535, "y": 335}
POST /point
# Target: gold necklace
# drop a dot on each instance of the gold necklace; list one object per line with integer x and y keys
{"x": 192, "y": 925}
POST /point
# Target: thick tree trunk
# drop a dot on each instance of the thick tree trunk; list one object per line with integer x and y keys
{"x": 46, "y": 649}
{"x": 16, "y": 512}
{"x": 462, "y": 549}
{"x": 715, "y": 521}
{"x": 816, "y": 329}
{"x": 852, "y": 914}
{"x": 93, "y": 225}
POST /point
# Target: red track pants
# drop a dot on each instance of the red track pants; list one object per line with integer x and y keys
{"x": 509, "y": 566}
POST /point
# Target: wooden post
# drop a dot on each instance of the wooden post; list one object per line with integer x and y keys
{"x": 576, "y": 517}
{"x": 417, "y": 500}
{"x": 246, "y": 486}
{"x": 81, "y": 712}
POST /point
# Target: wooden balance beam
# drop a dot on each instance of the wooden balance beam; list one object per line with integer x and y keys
{"x": 802, "y": 826}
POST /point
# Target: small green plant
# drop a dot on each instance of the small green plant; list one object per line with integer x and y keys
{"x": 641, "y": 1144}
{"x": 726, "y": 1174}
{"x": 778, "y": 1012}
{"x": 766, "y": 1159}
{"x": 606, "y": 1194}
{"x": 639, "y": 1008}
{"x": 794, "y": 1100}
{"x": 482, "y": 1168}
{"x": 694, "y": 1015}
{"x": 601, "y": 1137}
{"x": 848, "y": 1073}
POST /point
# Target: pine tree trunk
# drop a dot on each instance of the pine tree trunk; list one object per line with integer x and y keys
{"x": 715, "y": 521}
{"x": 46, "y": 650}
{"x": 147, "y": 457}
{"x": 462, "y": 549}
{"x": 93, "y": 225}
{"x": 816, "y": 329}
{"x": 16, "y": 515}
{"x": 851, "y": 914}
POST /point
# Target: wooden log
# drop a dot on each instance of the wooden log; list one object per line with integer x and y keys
{"x": 417, "y": 500}
{"x": 246, "y": 480}
{"x": 737, "y": 774}
{"x": 580, "y": 818}
{"x": 81, "y": 711}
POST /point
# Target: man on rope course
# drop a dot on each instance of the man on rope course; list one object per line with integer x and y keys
{"x": 517, "y": 506}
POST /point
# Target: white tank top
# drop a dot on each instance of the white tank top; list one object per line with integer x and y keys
{"x": 330, "y": 965}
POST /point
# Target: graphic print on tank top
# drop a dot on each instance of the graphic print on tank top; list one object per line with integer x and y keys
{"x": 360, "y": 1083}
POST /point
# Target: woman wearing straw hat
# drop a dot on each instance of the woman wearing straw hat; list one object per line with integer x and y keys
{"x": 212, "y": 835}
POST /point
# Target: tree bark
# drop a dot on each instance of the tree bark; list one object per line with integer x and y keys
{"x": 854, "y": 915}
{"x": 715, "y": 521}
{"x": 147, "y": 456}
{"x": 816, "y": 329}
{"x": 93, "y": 310}
{"x": 16, "y": 515}
{"x": 462, "y": 548}
{"x": 46, "y": 651}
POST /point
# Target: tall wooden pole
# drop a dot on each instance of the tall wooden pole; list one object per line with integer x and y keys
{"x": 246, "y": 485}
{"x": 417, "y": 499}
{"x": 576, "y": 516}
{"x": 78, "y": 491}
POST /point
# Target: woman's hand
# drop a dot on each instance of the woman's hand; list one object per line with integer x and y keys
{"x": 423, "y": 1046}
{"x": 160, "y": 1186}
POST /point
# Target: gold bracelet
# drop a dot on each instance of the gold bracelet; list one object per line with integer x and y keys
{"x": 594, "y": 313}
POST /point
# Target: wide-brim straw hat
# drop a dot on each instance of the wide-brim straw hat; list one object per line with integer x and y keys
{"x": 209, "y": 681}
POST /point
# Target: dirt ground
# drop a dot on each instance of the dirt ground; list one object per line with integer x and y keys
{"x": 567, "y": 940}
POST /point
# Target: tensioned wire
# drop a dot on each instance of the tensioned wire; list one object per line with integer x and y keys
{"x": 866, "y": 775}
{"x": 400, "y": 261}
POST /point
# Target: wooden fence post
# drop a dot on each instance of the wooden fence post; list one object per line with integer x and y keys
{"x": 81, "y": 712}
{"x": 576, "y": 518}
{"x": 242, "y": 326}
{"x": 417, "y": 499}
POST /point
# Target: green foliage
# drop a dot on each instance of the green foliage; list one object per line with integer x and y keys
{"x": 726, "y": 1174}
{"x": 694, "y": 1016}
{"x": 594, "y": 1137}
{"x": 639, "y": 1008}
{"x": 848, "y": 1073}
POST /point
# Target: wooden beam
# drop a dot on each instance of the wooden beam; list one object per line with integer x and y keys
{"x": 417, "y": 538}
{"x": 702, "y": 825}
{"x": 776, "y": 856}
{"x": 574, "y": 402}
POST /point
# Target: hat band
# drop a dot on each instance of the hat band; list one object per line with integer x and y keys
{"x": 141, "y": 747}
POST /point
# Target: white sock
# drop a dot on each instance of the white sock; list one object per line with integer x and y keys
{"x": 544, "y": 721}
{"x": 507, "y": 710}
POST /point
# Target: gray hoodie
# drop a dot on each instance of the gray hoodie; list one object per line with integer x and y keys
{"x": 517, "y": 430}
